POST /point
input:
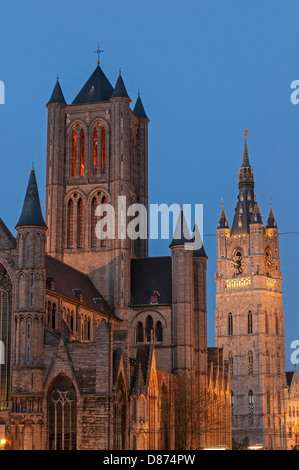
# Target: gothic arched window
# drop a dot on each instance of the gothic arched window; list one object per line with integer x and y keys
{"x": 82, "y": 152}
{"x": 230, "y": 324}
{"x": 250, "y": 362}
{"x": 103, "y": 151}
{"x": 53, "y": 317}
{"x": 97, "y": 200}
{"x": 139, "y": 333}
{"x": 249, "y": 322}
{"x": 159, "y": 332}
{"x": 74, "y": 150}
{"x": 70, "y": 223}
{"x": 95, "y": 151}
{"x": 94, "y": 204}
{"x": 80, "y": 224}
{"x": 62, "y": 414}
{"x": 149, "y": 328}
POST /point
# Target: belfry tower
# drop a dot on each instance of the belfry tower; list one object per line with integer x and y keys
{"x": 97, "y": 152}
{"x": 249, "y": 318}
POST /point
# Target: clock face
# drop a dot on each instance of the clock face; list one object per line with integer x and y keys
{"x": 269, "y": 261}
{"x": 237, "y": 264}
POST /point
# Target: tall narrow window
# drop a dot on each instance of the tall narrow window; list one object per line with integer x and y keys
{"x": 74, "y": 148}
{"x": 276, "y": 324}
{"x": 232, "y": 402}
{"x": 250, "y": 362}
{"x": 278, "y": 363}
{"x": 82, "y": 152}
{"x": 80, "y": 224}
{"x": 230, "y": 324}
{"x": 93, "y": 222}
{"x": 139, "y": 333}
{"x": 159, "y": 332}
{"x": 231, "y": 362}
{"x": 149, "y": 328}
{"x": 53, "y": 320}
{"x": 250, "y": 402}
{"x": 266, "y": 323}
{"x": 95, "y": 151}
{"x": 249, "y": 323}
{"x": 70, "y": 231}
{"x": 279, "y": 403}
{"x": 103, "y": 151}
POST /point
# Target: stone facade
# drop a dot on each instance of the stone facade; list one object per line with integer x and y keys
{"x": 249, "y": 318}
{"x": 105, "y": 347}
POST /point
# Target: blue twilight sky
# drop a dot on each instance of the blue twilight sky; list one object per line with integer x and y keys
{"x": 206, "y": 70}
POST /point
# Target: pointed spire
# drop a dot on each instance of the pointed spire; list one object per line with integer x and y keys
{"x": 198, "y": 253}
{"x": 139, "y": 109}
{"x": 31, "y": 212}
{"x": 256, "y": 217}
{"x": 96, "y": 89}
{"x": 181, "y": 233}
{"x": 120, "y": 89}
{"x": 271, "y": 222}
{"x": 57, "y": 95}
{"x": 222, "y": 222}
{"x": 245, "y": 151}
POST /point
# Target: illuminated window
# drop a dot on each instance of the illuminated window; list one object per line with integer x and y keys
{"x": 95, "y": 151}
{"x": 82, "y": 152}
{"x": 103, "y": 151}
{"x": 80, "y": 223}
{"x": 74, "y": 148}
{"x": 70, "y": 229}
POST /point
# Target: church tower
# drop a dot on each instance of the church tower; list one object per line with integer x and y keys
{"x": 96, "y": 155}
{"x": 249, "y": 319}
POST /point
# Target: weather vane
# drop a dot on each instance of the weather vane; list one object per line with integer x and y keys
{"x": 245, "y": 133}
{"x": 98, "y": 51}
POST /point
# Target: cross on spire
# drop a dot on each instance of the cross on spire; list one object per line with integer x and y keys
{"x": 98, "y": 51}
{"x": 245, "y": 133}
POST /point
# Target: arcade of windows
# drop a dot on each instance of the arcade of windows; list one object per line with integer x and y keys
{"x": 94, "y": 144}
{"x": 76, "y": 209}
{"x": 230, "y": 328}
{"x": 69, "y": 317}
{"x": 148, "y": 332}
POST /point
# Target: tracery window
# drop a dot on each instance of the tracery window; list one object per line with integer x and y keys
{"x": 139, "y": 333}
{"x": 82, "y": 152}
{"x": 74, "y": 151}
{"x": 159, "y": 332}
{"x": 99, "y": 149}
{"x": 98, "y": 199}
{"x": 62, "y": 414}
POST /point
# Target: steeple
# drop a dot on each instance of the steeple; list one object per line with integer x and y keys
{"x": 57, "y": 95}
{"x": 201, "y": 252}
{"x": 31, "y": 213}
{"x": 245, "y": 208}
{"x": 120, "y": 89}
{"x": 96, "y": 89}
{"x": 271, "y": 222}
{"x": 222, "y": 222}
{"x": 139, "y": 109}
{"x": 181, "y": 233}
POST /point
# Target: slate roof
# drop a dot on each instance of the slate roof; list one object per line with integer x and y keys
{"x": 141, "y": 369}
{"x": 271, "y": 222}
{"x": 200, "y": 252}
{"x": 181, "y": 233}
{"x": 149, "y": 274}
{"x": 289, "y": 376}
{"x": 120, "y": 89}
{"x": 57, "y": 95}
{"x": 97, "y": 88}
{"x": 66, "y": 278}
{"x": 31, "y": 212}
{"x": 139, "y": 109}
